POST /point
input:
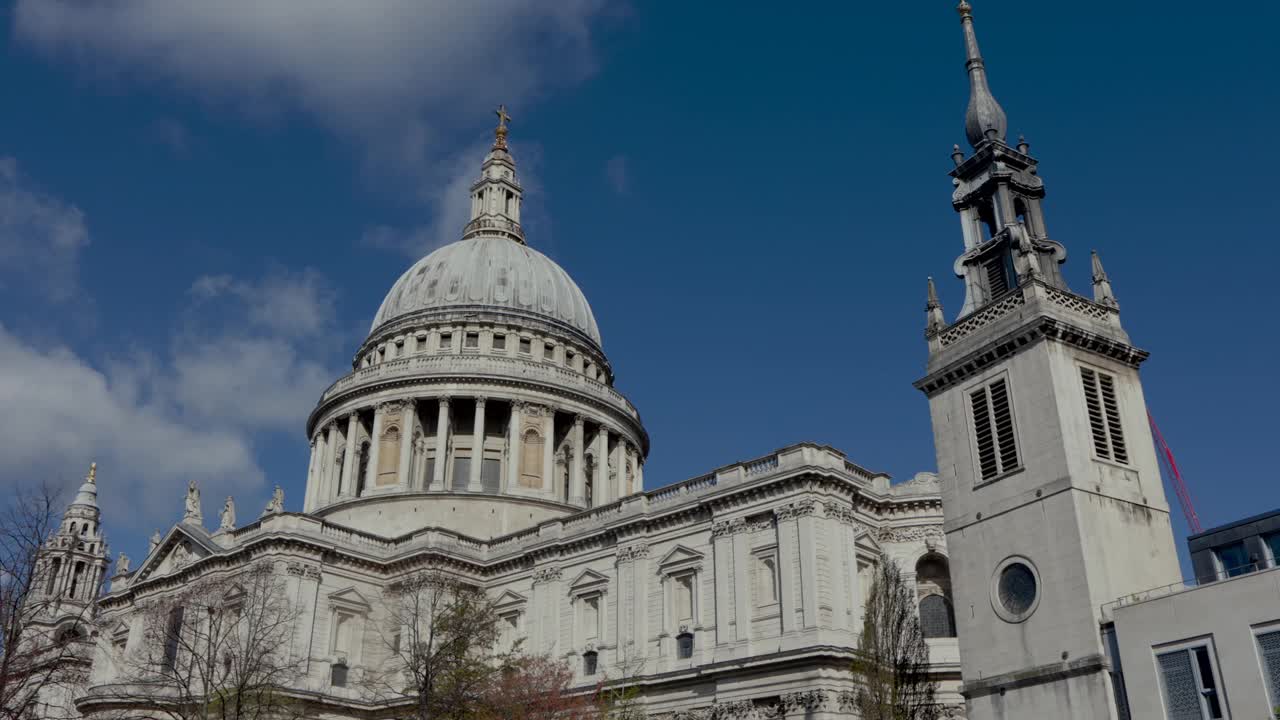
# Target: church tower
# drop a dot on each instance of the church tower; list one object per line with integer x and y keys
{"x": 1051, "y": 491}
{"x": 74, "y": 560}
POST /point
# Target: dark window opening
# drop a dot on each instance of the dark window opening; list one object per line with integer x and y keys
{"x": 499, "y": 342}
{"x": 684, "y": 646}
{"x": 338, "y": 675}
{"x": 526, "y": 345}
{"x": 589, "y": 662}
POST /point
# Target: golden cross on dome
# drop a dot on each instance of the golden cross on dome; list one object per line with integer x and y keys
{"x": 503, "y": 117}
{"x": 93, "y": 472}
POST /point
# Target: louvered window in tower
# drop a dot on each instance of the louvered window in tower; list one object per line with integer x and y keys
{"x": 1269, "y": 648}
{"x": 1104, "y": 415}
{"x": 994, "y": 430}
{"x": 997, "y": 274}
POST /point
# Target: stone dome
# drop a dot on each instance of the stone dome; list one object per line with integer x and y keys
{"x": 489, "y": 273}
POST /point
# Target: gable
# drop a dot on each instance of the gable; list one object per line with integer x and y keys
{"x": 179, "y": 548}
{"x": 681, "y": 555}
{"x": 588, "y": 578}
{"x": 508, "y": 598}
{"x": 349, "y": 599}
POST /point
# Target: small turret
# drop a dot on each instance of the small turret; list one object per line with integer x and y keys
{"x": 496, "y": 197}
{"x": 933, "y": 308}
{"x": 1102, "y": 293}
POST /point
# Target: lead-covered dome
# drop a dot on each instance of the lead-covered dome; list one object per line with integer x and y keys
{"x": 491, "y": 273}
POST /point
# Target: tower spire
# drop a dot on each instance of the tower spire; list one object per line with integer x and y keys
{"x": 933, "y": 309}
{"x": 497, "y": 195}
{"x": 1102, "y": 293}
{"x": 985, "y": 119}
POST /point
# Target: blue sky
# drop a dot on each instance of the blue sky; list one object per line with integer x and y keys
{"x": 202, "y": 204}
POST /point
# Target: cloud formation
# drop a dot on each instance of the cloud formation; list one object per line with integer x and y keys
{"x": 394, "y": 75}
{"x": 41, "y": 238}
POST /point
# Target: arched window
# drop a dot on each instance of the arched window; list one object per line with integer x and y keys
{"x": 684, "y": 646}
{"x": 933, "y": 585}
{"x": 388, "y": 457}
{"x": 589, "y": 662}
{"x": 531, "y": 459}
{"x": 937, "y": 618}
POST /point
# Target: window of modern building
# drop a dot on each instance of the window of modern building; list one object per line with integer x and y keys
{"x": 1190, "y": 684}
{"x": 994, "y": 429}
{"x": 590, "y": 662}
{"x": 1269, "y": 652}
{"x": 1104, "y": 415}
{"x": 1233, "y": 560}
{"x": 684, "y": 646}
{"x": 1273, "y": 545}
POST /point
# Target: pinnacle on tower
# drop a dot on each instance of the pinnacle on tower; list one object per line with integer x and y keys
{"x": 933, "y": 310}
{"x": 985, "y": 119}
{"x": 1102, "y": 293}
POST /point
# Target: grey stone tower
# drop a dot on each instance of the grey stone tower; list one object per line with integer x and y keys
{"x": 1051, "y": 491}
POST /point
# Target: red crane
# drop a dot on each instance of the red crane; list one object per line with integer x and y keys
{"x": 1171, "y": 469}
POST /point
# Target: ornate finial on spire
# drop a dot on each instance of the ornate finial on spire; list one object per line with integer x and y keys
{"x": 500, "y": 133}
{"x": 1102, "y": 293}
{"x": 1024, "y": 147}
{"x": 985, "y": 119}
{"x": 92, "y": 477}
{"x": 933, "y": 309}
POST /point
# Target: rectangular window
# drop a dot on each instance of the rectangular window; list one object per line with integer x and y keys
{"x": 1273, "y": 544}
{"x": 526, "y": 345}
{"x": 590, "y": 618}
{"x": 590, "y": 661}
{"x": 684, "y": 646}
{"x": 684, "y": 599}
{"x": 446, "y": 341}
{"x": 499, "y": 342}
{"x": 1234, "y": 560}
{"x": 766, "y": 579}
{"x": 1104, "y": 415}
{"x": 1269, "y": 650}
{"x": 472, "y": 340}
{"x": 993, "y": 426}
{"x": 173, "y": 635}
{"x": 1190, "y": 684}
{"x": 338, "y": 675}
{"x": 997, "y": 275}
{"x": 548, "y": 352}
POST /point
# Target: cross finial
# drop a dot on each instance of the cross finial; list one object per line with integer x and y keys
{"x": 93, "y": 473}
{"x": 500, "y": 134}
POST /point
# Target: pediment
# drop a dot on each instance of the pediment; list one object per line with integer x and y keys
{"x": 588, "y": 578}
{"x": 120, "y": 629}
{"x": 179, "y": 548}
{"x": 349, "y": 598}
{"x": 681, "y": 555}
{"x": 509, "y": 598}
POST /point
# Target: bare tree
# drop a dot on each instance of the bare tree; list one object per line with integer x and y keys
{"x": 892, "y": 665}
{"x": 441, "y": 635}
{"x": 219, "y": 649}
{"x": 43, "y": 648}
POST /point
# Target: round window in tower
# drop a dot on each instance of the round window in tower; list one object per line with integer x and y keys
{"x": 1015, "y": 589}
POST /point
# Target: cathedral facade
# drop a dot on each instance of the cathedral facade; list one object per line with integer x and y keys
{"x": 480, "y": 433}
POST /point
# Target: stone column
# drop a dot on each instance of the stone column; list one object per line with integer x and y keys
{"x": 325, "y": 470}
{"x": 313, "y": 469}
{"x": 786, "y": 566}
{"x": 639, "y": 472}
{"x": 602, "y": 467}
{"x": 515, "y": 452}
{"x": 477, "y": 448}
{"x": 442, "y": 445}
{"x": 577, "y": 491}
{"x": 806, "y": 533}
{"x": 549, "y": 451}
{"x": 348, "y": 461}
{"x": 722, "y": 551}
{"x": 742, "y": 583}
{"x": 371, "y": 467}
{"x": 407, "y": 417}
{"x": 619, "y": 469}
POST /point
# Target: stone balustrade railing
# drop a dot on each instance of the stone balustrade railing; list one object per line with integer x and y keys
{"x": 481, "y": 366}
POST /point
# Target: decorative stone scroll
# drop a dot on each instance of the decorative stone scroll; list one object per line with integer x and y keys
{"x": 546, "y": 575}
{"x": 303, "y": 570}
{"x": 799, "y": 508}
{"x": 914, "y": 533}
{"x": 725, "y": 528}
{"x": 633, "y": 552}
{"x": 804, "y": 700}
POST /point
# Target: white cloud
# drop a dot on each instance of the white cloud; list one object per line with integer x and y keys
{"x": 396, "y": 75}
{"x": 41, "y": 238}
{"x": 615, "y": 171}
{"x": 62, "y": 413}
